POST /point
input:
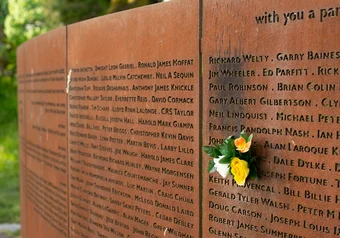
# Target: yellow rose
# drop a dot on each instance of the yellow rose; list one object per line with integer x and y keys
{"x": 240, "y": 170}
{"x": 242, "y": 145}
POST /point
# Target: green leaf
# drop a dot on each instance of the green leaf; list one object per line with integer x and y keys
{"x": 228, "y": 150}
{"x": 252, "y": 159}
{"x": 232, "y": 148}
{"x": 216, "y": 145}
{"x": 211, "y": 166}
{"x": 253, "y": 171}
{"x": 250, "y": 138}
{"x": 244, "y": 135}
{"x": 208, "y": 149}
{"x": 230, "y": 138}
{"x": 242, "y": 156}
{"x": 224, "y": 150}
{"x": 225, "y": 160}
{"x": 211, "y": 151}
{"x": 231, "y": 145}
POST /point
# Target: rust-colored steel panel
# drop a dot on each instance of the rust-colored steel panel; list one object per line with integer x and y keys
{"x": 133, "y": 123}
{"x": 271, "y": 68}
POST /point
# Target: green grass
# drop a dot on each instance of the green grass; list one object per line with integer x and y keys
{"x": 14, "y": 234}
{"x": 9, "y": 165}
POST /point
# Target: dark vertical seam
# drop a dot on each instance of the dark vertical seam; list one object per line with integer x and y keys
{"x": 67, "y": 142}
{"x": 200, "y": 21}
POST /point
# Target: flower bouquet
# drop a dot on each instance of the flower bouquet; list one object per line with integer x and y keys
{"x": 233, "y": 157}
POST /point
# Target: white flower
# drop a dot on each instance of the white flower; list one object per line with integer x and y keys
{"x": 222, "y": 169}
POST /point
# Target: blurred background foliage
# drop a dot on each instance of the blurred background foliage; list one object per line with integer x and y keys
{"x": 21, "y": 20}
{"x": 71, "y": 11}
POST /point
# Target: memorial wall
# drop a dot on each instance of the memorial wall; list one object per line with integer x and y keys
{"x": 114, "y": 111}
